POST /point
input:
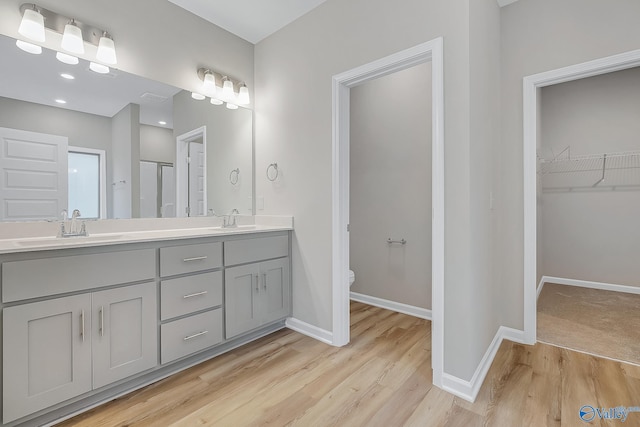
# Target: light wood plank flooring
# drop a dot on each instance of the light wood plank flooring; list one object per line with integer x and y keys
{"x": 604, "y": 323}
{"x": 382, "y": 378}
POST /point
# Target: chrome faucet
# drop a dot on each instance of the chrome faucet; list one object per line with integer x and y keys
{"x": 70, "y": 229}
{"x": 229, "y": 221}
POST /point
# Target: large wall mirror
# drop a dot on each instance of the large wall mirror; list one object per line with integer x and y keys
{"x": 114, "y": 145}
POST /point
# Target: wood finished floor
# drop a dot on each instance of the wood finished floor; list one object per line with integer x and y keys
{"x": 382, "y": 378}
{"x": 605, "y": 323}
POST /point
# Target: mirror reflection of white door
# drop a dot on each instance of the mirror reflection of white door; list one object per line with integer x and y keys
{"x": 33, "y": 175}
{"x": 196, "y": 178}
{"x": 168, "y": 209}
{"x": 191, "y": 173}
{"x": 148, "y": 189}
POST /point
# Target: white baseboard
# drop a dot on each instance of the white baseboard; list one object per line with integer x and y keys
{"x": 468, "y": 390}
{"x": 411, "y": 310}
{"x": 309, "y": 330}
{"x": 588, "y": 284}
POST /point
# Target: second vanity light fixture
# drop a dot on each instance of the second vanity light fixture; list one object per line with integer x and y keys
{"x": 221, "y": 94}
{"x": 74, "y": 35}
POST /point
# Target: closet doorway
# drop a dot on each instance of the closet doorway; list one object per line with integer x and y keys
{"x": 427, "y": 52}
{"x": 581, "y": 181}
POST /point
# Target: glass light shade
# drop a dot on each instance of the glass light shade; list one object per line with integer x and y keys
{"x": 29, "y": 47}
{"x": 216, "y": 101}
{"x": 72, "y": 39}
{"x": 98, "y": 68}
{"x": 243, "y": 95}
{"x": 227, "y": 89}
{"x": 32, "y": 25}
{"x": 106, "y": 51}
{"x": 197, "y": 96}
{"x": 67, "y": 59}
{"x": 231, "y": 106}
{"x": 209, "y": 84}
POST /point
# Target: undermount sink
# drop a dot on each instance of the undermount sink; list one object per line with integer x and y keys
{"x": 45, "y": 241}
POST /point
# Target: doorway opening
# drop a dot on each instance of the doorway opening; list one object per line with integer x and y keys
{"x": 431, "y": 51}
{"x": 191, "y": 173}
{"x": 531, "y": 116}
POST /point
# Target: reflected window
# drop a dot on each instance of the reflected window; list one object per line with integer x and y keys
{"x": 86, "y": 182}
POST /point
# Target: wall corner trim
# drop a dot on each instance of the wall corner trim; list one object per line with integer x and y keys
{"x": 411, "y": 310}
{"x": 468, "y": 390}
{"x": 309, "y": 330}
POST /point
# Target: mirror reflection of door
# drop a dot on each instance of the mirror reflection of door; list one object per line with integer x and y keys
{"x": 196, "y": 178}
{"x": 157, "y": 190}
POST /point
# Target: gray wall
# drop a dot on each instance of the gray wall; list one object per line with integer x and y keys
{"x": 229, "y": 146}
{"x": 293, "y": 127}
{"x": 157, "y": 144}
{"x": 125, "y": 168}
{"x": 390, "y": 180}
{"x": 592, "y": 233}
{"x": 154, "y": 39}
{"x": 537, "y": 36}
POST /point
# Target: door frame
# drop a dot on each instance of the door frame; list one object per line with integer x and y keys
{"x": 431, "y": 51}
{"x": 531, "y": 86}
{"x": 182, "y": 171}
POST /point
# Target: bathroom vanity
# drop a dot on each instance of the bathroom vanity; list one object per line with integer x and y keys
{"x": 85, "y": 320}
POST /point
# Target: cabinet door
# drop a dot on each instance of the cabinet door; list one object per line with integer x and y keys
{"x": 125, "y": 332}
{"x": 276, "y": 293}
{"x": 47, "y": 354}
{"x": 241, "y": 299}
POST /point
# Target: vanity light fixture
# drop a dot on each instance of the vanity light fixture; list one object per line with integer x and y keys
{"x": 197, "y": 96}
{"x": 227, "y": 88}
{"x": 29, "y": 47}
{"x": 32, "y": 24}
{"x": 216, "y": 101}
{"x": 72, "y": 40}
{"x": 67, "y": 59}
{"x": 209, "y": 83}
{"x": 106, "y": 50}
{"x": 243, "y": 94}
{"x": 231, "y": 106}
{"x": 98, "y": 68}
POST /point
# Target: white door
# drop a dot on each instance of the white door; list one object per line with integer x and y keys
{"x": 148, "y": 190}
{"x": 33, "y": 175}
{"x": 196, "y": 179}
{"x": 168, "y": 209}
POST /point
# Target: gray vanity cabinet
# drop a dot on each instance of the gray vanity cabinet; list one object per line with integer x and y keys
{"x": 124, "y": 332}
{"x": 46, "y": 354}
{"x": 256, "y": 294}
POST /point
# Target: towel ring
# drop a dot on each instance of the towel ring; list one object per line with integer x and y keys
{"x": 234, "y": 176}
{"x": 270, "y": 175}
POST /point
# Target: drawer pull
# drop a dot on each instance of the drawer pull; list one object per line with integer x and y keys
{"x": 257, "y": 283}
{"x": 195, "y": 258}
{"x": 264, "y": 281}
{"x": 82, "y": 325}
{"x": 195, "y": 335}
{"x": 101, "y": 327}
{"x": 197, "y": 294}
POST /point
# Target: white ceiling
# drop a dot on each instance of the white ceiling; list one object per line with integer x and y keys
{"x": 36, "y": 78}
{"x": 252, "y": 20}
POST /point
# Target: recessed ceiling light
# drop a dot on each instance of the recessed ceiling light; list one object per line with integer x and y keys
{"x": 67, "y": 76}
{"x": 162, "y": 122}
{"x": 61, "y": 101}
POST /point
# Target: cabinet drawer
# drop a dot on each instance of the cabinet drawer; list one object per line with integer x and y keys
{"x": 50, "y": 276}
{"x": 189, "y": 335}
{"x": 190, "y": 258}
{"x": 256, "y": 249}
{"x": 190, "y": 294}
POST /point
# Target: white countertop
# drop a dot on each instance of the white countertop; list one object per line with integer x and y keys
{"x": 115, "y": 232}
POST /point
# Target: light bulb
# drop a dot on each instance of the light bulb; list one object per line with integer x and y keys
{"x": 32, "y": 25}
{"x": 209, "y": 84}
{"x": 29, "y": 47}
{"x": 106, "y": 50}
{"x": 72, "y": 38}
{"x": 197, "y": 96}
{"x": 216, "y": 101}
{"x": 98, "y": 68}
{"x": 231, "y": 106}
{"x": 227, "y": 88}
{"x": 67, "y": 59}
{"x": 243, "y": 95}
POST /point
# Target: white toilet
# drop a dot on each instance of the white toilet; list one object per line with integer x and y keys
{"x": 352, "y": 277}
